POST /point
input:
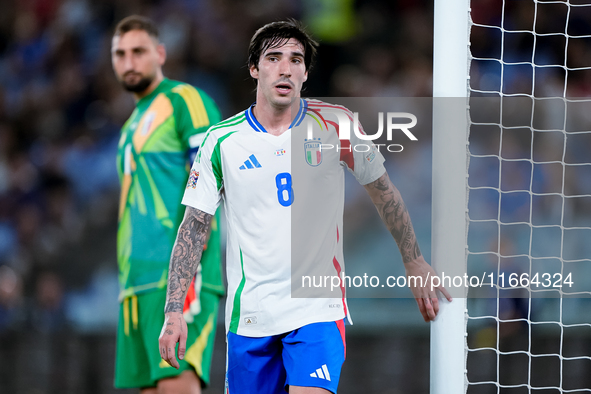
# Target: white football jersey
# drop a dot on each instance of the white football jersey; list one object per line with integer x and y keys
{"x": 284, "y": 199}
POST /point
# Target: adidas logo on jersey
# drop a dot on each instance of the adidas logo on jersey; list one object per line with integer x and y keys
{"x": 321, "y": 373}
{"x": 251, "y": 163}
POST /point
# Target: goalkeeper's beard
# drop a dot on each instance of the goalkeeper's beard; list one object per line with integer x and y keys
{"x": 138, "y": 87}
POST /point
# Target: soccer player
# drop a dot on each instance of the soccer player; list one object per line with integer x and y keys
{"x": 166, "y": 127}
{"x": 276, "y": 341}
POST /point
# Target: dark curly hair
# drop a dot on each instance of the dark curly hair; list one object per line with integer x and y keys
{"x": 276, "y": 34}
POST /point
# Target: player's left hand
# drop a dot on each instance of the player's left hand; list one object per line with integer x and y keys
{"x": 426, "y": 297}
{"x": 174, "y": 330}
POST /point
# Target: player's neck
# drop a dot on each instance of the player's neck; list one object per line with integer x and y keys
{"x": 157, "y": 80}
{"x": 275, "y": 120}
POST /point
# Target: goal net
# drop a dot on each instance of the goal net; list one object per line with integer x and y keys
{"x": 527, "y": 232}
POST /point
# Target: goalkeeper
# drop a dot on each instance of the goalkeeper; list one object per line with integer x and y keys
{"x": 157, "y": 142}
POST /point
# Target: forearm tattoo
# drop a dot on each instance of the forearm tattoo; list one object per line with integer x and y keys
{"x": 186, "y": 255}
{"x": 392, "y": 209}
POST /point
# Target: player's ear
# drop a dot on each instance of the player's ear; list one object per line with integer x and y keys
{"x": 161, "y": 50}
{"x": 305, "y": 76}
{"x": 254, "y": 71}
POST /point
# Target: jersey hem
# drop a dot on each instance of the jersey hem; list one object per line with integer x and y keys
{"x": 374, "y": 178}
{"x": 139, "y": 290}
{"x": 197, "y": 205}
{"x": 258, "y": 333}
{"x": 217, "y": 291}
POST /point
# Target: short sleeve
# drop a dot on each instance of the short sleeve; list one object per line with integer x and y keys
{"x": 362, "y": 158}
{"x": 204, "y": 186}
{"x": 194, "y": 113}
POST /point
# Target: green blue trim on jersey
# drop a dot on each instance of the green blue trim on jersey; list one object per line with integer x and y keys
{"x": 234, "y": 120}
{"x": 254, "y": 123}
{"x": 301, "y": 114}
{"x": 216, "y": 161}
{"x": 235, "y": 320}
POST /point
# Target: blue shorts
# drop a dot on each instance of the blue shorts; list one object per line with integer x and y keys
{"x": 310, "y": 356}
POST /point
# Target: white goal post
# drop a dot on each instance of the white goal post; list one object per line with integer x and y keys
{"x": 449, "y": 224}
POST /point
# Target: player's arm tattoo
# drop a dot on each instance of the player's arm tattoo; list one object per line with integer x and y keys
{"x": 394, "y": 214}
{"x": 186, "y": 255}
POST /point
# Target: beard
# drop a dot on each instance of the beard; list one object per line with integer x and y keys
{"x": 139, "y": 86}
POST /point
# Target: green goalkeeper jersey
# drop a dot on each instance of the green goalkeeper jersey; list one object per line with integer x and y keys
{"x": 153, "y": 164}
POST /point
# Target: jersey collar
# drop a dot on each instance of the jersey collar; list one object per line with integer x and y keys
{"x": 159, "y": 89}
{"x": 254, "y": 123}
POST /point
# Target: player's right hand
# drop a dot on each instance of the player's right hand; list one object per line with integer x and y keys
{"x": 174, "y": 330}
{"x": 425, "y": 296}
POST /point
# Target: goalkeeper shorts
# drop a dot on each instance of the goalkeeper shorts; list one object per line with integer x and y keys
{"x": 141, "y": 317}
